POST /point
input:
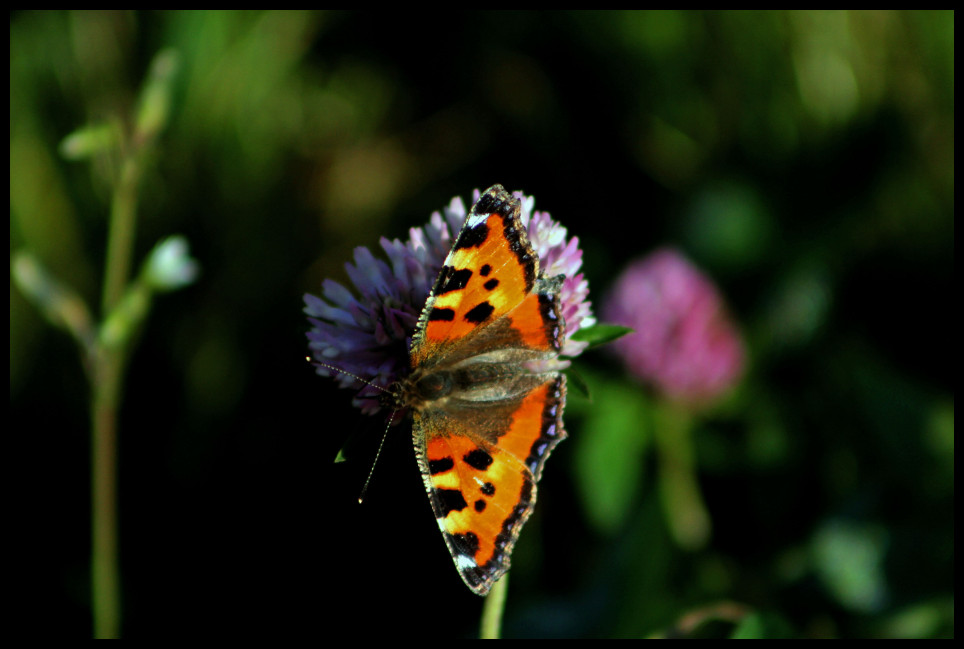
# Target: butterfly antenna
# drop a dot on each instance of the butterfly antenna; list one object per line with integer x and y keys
{"x": 378, "y": 453}
{"x": 354, "y": 376}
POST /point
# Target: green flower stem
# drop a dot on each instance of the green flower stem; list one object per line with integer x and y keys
{"x": 123, "y": 309}
{"x": 493, "y": 608}
{"x": 120, "y": 244}
{"x": 679, "y": 490}
{"x": 152, "y": 115}
{"x": 106, "y": 371}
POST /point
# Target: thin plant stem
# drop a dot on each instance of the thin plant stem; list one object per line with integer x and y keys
{"x": 686, "y": 513}
{"x": 105, "y": 564}
{"x": 124, "y": 308}
{"x": 493, "y": 608}
{"x": 106, "y": 369}
{"x": 120, "y": 244}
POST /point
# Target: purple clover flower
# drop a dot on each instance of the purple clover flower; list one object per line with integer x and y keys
{"x": 684, "y": 342}
{"x": 367, "y": 332}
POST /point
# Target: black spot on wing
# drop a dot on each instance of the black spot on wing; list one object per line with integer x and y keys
{"x": 478, "y": 459}
{"x": 472, "y": 237}
{"x": 467, "y": 544}
{"x": 441, "y": 315}
{"x": 452, "y": 280}
{"x": 479, "y": 313}
{"x": 450, "y": 500}
{"x": 441, "y": 465}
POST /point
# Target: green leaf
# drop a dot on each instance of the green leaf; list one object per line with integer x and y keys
{"x": 60, "y": 305}
{"x": 575, "y": 380}
{"x": 616, "y": 431}
{"x": 849, "y": 558}
{"x": 155, "y": 100}
{"x": 750, "y": 628}
{"x": 600, "y": 334}
{"x": 88, "y": 141}
{"x": 351, "y": 447}
{"x": 127, "y": 317}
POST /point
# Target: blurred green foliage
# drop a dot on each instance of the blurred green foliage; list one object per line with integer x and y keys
{"x": 804, "y": 159}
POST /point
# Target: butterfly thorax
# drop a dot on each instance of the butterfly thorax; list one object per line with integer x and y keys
{"x": 478, "y": 381}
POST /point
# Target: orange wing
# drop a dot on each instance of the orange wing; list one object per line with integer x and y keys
{"x": 490, "y": 271}
{"x": 482, "y": 493}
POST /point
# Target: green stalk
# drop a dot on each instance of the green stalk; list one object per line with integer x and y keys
{"x": 123, "y": 308}
{"x": 686, "y": 513}
{"x": 105, "y": 564}
{"x": 493, "y": 608}
{"x": 120, "y": 243}
{"x": 107, "y": 368}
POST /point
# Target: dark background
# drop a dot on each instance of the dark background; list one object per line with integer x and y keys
{"x": 803, "y": 160}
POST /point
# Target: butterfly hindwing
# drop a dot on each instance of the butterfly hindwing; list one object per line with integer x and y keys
{"x": 483, "y": 492}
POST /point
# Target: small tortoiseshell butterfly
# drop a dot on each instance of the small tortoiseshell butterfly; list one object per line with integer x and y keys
{"x": 485, "y": 389}
{"x": 484, "y": 382}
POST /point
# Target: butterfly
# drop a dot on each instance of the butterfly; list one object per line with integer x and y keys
{"x": 485, "y": 388}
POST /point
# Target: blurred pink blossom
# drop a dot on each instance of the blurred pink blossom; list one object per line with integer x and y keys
{"x": 684, "y": 342}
